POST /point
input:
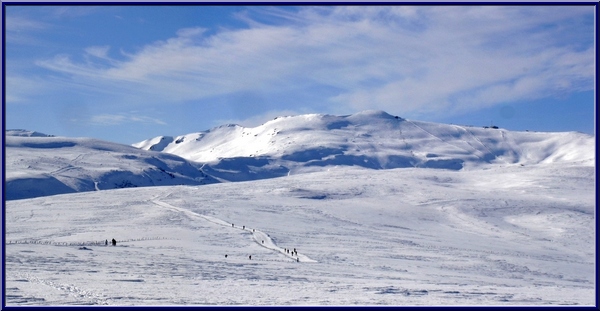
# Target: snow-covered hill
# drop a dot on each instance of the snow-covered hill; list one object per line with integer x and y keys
{"x": 460, "y": 216}
{"x": 40, "y": 165}
{"x": 507, "y": 236}
{"x": 371, "y": 139}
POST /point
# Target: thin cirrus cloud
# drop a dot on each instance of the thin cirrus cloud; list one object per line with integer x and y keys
{"x": 98, "y": 51}
{"x": 421, "y": 59}
{"x": 20, "y": 30}
{"x": 117, "y": 119}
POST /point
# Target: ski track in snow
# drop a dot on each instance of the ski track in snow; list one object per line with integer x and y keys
{"x": 443, "y": 141}
{"x": 480, "y": 142}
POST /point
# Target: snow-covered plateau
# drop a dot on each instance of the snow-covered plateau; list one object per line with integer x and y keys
{"x": 506, "y": 218}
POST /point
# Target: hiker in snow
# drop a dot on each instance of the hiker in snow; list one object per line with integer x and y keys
{"x": 263, "y": 241}
{"x": 297, "y": 259}
{"x": 114, "y": 242}
{"x": 232, "y": 225}
{"x": 105, "y": 242}
{"x": 252, "y": 230}
{"x": 250, "y": 257}
{"x": 243, "y": 227}
{"x": 225, "y": 255}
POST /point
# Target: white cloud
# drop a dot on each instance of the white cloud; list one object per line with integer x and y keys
{"x": 19, "y": 23}
{"x": 116, "y": 119}
{"x": 20, "y": 87}
{"x": 71, "y": 11}
{"x": 423, "y": 59}
{"x": 98, "y": 51}
{"x": 108, "y": 119}
{"x": 19, "y": 30}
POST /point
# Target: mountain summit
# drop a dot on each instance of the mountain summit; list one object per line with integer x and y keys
{"x": 371, "y": 139}
{"x": 38, "y": 164}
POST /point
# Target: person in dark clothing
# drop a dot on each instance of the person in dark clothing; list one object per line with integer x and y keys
{"x": 250, "y": 257}
{"x": 225, "y": 255}
{"x": 114, "y": 242}
{"x": 106, "y": 242}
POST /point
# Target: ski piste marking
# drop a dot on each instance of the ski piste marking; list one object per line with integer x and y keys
{"x": 477, "y": 140}
{"x": 261, "y": 238}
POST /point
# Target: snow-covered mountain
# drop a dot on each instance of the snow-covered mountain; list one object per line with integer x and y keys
{"x": 371, "y": 139}
{"x": 508, "y": 221}
{"x": 38, "y": 165}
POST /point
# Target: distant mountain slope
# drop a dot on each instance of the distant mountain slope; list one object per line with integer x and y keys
{"x": 371, "y": 139}
{"x": 26, "y": 133}
{"x": 40, "y": 165}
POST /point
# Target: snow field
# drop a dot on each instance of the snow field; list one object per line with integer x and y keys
{"x": 365, "y": 237}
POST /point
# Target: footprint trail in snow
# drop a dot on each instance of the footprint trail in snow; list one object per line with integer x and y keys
{"x": 258, "y": 236}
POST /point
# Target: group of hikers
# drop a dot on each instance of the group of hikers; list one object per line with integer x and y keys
{"x": 286, "y": 250}
{"x": 243, "y": 227}
{"x": 293, "y": 252}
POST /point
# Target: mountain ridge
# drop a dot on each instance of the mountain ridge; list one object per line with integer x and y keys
{"x": 377, "y": 135}
{"x": 38, "y": 164}
{"x": 49, "y": 165}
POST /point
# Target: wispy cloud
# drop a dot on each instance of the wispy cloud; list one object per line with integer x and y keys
{"x": 19, "y": 88}
{"x": 71, "y": 11}
{"x": 417, "y": 60}
{"x": 19, "y": 30}
{"x": 116, "y": 119}
{"x": 19, "y": 23}
{"x": 98, "y": 51}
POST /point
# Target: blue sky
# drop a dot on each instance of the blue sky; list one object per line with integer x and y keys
{"x": 129, "y": 73}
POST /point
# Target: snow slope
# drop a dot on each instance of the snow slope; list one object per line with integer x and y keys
{"x": 41, "y": 165}
{"x": 371, "y": 139}
{"x": 497, "y": 235}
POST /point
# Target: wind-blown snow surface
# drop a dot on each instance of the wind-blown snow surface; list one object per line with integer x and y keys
{"x": 41, "y": 165}
{"x": 506, "y": 235}
{"x": 371, "y": 139}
